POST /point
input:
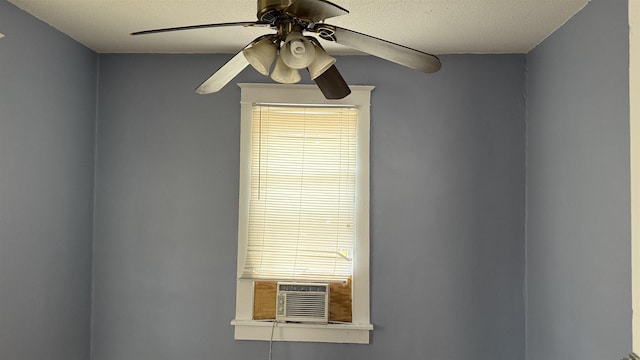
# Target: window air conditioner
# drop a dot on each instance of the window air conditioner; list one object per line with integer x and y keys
{"x": 298, "y": 302}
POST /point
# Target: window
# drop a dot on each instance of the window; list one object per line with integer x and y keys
{"x": 302, "y": 195}
{"x": 304, "y": 204}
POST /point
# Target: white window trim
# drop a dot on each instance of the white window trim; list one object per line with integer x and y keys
{"x": 357, "y": 331}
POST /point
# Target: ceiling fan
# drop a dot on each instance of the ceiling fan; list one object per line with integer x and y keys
{"x": 292, "y": 50}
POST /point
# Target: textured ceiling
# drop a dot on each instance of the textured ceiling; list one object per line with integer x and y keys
{"x": 434, "y": 26}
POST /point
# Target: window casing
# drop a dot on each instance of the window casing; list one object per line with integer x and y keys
{"x": 299, "y": 96}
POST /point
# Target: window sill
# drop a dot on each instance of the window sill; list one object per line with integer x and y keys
{"x": 329, "y": 333}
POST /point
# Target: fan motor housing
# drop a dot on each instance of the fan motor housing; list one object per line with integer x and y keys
{"x": 267, "y": 9}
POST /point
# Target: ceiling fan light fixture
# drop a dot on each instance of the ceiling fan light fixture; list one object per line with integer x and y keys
{"x": 293, "y": 51}
{"x": 285, "y": 74}
{"x": 260, "y": 54}
{"x": 321, "y": 62}
{"x": 297, "y": 52}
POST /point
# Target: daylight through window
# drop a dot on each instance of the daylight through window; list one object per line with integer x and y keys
{"x": 302, "y": 203}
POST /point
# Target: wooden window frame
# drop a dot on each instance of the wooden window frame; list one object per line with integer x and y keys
{"x": 358, "y": 330}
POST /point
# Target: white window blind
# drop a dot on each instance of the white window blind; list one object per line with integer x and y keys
{"x": 302, "y": 207}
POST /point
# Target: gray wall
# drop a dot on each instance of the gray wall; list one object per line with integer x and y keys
{"x": 578, "y": 221}
{"x": 47, "y": 125}
{"x": 447, "y": 211}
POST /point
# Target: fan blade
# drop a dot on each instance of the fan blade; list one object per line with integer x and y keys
{"x": 332, "y": 84}
{"x": 314, "y": 10}
{"x": 222, "y": 77}
{"x": 387, "y": 50}
{"x": 203, "y": 26}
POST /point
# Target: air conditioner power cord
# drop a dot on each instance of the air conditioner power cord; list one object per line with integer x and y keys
{"x": 273, "y": 327}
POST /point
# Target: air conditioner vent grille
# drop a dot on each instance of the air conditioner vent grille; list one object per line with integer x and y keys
{"x": 307, "y": 305}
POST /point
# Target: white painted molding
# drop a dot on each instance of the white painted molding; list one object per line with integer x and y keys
{"x": 634, "y": 129}
{"x": 330, "y": 333}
